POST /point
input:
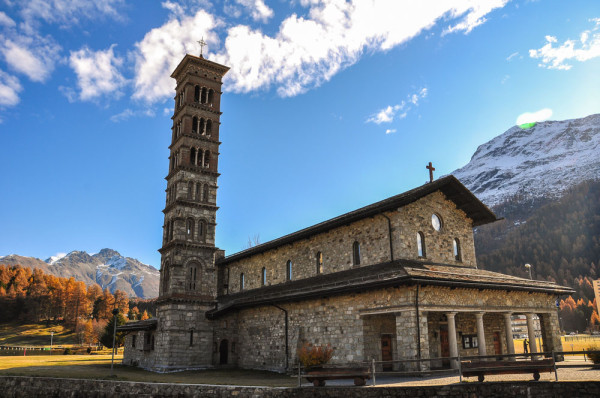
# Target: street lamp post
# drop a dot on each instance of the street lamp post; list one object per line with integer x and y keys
{"x": 51, "y": 338}
{"x": 115, "y": 313}
{"x": 528, "y": 266}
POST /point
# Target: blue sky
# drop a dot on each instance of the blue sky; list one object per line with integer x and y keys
{"x": 328, "y": 106}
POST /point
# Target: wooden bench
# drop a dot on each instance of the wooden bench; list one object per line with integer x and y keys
{"x": 482, "y": 368}
{"x": 318, "y": 377}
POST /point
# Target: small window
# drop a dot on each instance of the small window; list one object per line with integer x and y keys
{"x": 210, "y": 96}
{"x": 356, "y": 253}
{"x": 189, "y": 228}
{"x": 263, "y": 276}
{"x": 197, "y": 94}
{"x": 207, "y": 159}
{"x": 190, "y": 190}
{"x": 319, "y": 263}
{"x": 436, "y": 222}
{"x": 288, "y": 270}
{"x": 205, "y": 193}
{"x": 421, "y": 244}
{"x": 133, "y": 340}
{"x": 197, "y": 196}
{"x": 192, "y": 279}
{"x": 194, "y": 125}
{"x": 191, "y": 337}
{"x": 456, "y": 248}
{"x": 201, "y": 230}
{"x": 208, "y": 127}
{"x": 242, "y": 281}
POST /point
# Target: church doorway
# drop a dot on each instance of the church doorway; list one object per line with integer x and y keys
{"x": 223, "y": 352}
{"x": 497, "y": 347}
{"x": 386, "y": 351}
{"x": 445, "y": 345}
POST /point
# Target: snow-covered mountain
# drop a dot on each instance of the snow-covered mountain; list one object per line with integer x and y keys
{"x": 107, "y": 268}
{"x": 539, "y": 161}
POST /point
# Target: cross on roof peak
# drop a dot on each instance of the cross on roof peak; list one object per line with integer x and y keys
{"x": 202, "y": 44}
{"x": 431, "y": 170}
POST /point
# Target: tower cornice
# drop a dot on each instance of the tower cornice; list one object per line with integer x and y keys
{"x": 200, "y": 63}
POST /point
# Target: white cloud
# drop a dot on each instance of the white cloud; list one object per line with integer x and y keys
{"x": 390, "y": 131}
{"x": 306, "y": 50}
{"x": 97, "y": 72}
{"x": 258, "y": 10}
{"x": 161, "y": 49}
{"x": 7, "y": 21}
{"x": 9, "y": 89}
{"x": 511, "y": 56}
{"x": 66, "y": 12}
{"x": 33, "y": 56}
{"x": 534, "y": 117}
{"x": 128, "y": 113}
{"x": 474, "y": 14}
{"x": 584, "y": 49}
{"x": 387, "y": 114}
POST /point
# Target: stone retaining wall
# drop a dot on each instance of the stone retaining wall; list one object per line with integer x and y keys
{"x": 15, "y": 386}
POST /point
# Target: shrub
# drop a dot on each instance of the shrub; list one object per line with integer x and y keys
{"x": 67, "y": 351}
{"x": 594, "y": 356}
{"x": 311, "y": 355}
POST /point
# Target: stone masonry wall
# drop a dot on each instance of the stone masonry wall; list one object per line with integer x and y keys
{"x": 353, "y": 323}
{"x": 373, "y": 236}
{"x": 17, "y": 387}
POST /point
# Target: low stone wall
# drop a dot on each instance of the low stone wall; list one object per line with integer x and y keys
{"x": 16, "y": 386}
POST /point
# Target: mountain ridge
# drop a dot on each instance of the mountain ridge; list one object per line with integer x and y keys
{"x": 108, "y": 268}
{"x": 539, "y": 161}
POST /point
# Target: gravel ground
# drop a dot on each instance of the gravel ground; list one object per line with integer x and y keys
{"x": 584, "y": 373}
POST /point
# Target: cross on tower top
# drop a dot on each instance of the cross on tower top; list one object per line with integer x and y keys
{"x": 202, "y": 44}
{"x": 431, "y": 169}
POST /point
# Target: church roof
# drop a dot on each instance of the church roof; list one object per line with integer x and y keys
{"x": 147, "y": 324}
{"x": 448, "y": 185}
{"x": 388, "y": 274}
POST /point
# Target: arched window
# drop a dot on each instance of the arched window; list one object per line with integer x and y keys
{"x": 189, "y": 228}
{"x": 201, "y": 230}
{"x": 421, "y": 245}
{"x": 356, "y": 253}
{"x": 242, "y": 281}
{"x": 263, "y": 276}
{"x": 197, "y": 94}
{"x": 202, "y": 127}
{"x": 204, "y": 94}
{"x": 288, "y": 270}
{"x": 192, "y": 277}
{"x": 319, "y": 263}
{"x": 197, "y": 196}
{"x": 207, "y": 159}
{"x": 210, "y": 96}
{"x": 457, "y": 251}
{"x": 193, "y": 154}
{"x": 194, "y": 125}
{"x": 205, "y": 193}
{"x": 190, "y": 190}
{"x": 208, "y": 127}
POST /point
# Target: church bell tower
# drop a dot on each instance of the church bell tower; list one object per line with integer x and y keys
{"x": 188, "y": 275}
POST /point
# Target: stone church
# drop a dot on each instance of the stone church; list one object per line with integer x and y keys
{"x": 397, "y": 279}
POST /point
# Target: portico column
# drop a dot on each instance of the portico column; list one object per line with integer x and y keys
{"x": 531, "y": 331}
{"x": 452, "y": 338}
{"x": 510, "y": 344}
{"x": 480, "y": 334}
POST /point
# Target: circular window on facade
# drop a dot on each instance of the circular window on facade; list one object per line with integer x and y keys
{"x": 436, "y": 222}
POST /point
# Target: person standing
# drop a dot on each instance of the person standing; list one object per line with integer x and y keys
{"x": 525, "y": 346}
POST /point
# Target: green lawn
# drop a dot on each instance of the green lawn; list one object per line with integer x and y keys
{"x": 98, "y": 367}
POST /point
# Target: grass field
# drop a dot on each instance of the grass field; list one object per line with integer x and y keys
{"x": 36, "y": 334}
{"x": 579, "y": 343}
{"x": 98, "y": 367}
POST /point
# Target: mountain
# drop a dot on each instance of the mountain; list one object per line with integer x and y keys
{"x": 541, "y": 161}
{"x": 107, "y": 268}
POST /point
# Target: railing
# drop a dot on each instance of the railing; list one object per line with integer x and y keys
{"x": 423, "y": 366}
